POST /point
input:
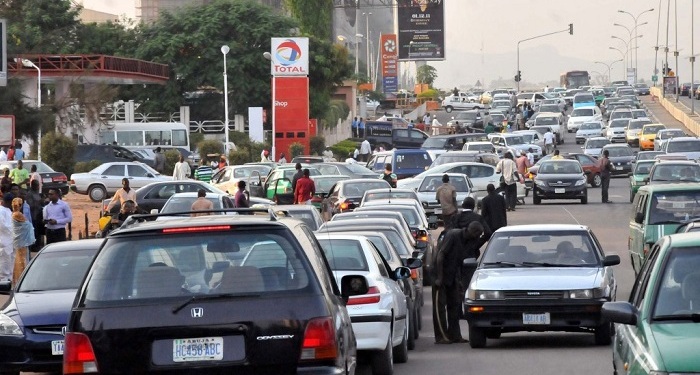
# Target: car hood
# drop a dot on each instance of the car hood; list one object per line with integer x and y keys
{"x": 621, "y": 159}
{"x": 588, "y": 131}
{"x": 408, "y": 183}
{"x": 559, "y": 176}
{"x": 581, "y": 118}
{"x": 541, "y": 278}
{"x": 41, "y": 308}
{"x": 677, "y": 344}
{"x": 525, "y": 146}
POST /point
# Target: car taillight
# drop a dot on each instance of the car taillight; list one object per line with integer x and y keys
{"x": 346, "y": 205}
{"x": 72, "y": 182}
{"x": 78, "y": 356}
{"x": 372, "y": 296}
{"x": 319, "y": 340}
{"x": 422, "y": 235}
{"x": 59, "y": 178}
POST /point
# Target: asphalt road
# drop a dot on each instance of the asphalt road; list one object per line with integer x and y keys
{"x": 536, "y": 353}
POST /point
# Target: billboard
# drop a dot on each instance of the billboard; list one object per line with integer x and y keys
{"x": 290, "y": 56}
{"x": 390, "y": 63}
{"x": 421, "y": 29}
{"x": 7, "y": 130}
{"x": 291, "y": 114}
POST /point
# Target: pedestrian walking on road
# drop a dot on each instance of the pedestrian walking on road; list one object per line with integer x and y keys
{"x": 446, "y": 195}
{"x": 182, "y": 170}
{"x": 365, "y": 150}
{"x": 467, "y": 216}
{"x": 605, "y": 168}
{"x": 299, "y": 173}
{"x": 361, "y": 128}
{"x": 493, "y": 209}
{"x": 23, "y": 237}
{"x": 240, "y": 200}
{"x": 435, "y": 126}
{"x": 35, "y": 176}
{"x": 549, "y": 141}
{"x": 201, "y": 204}
{"x": 56, "y": 215}
{"x": 283, "y": 159}
{"x": 305, "y": 188}
{"x": 508, "y": 170}
{"x": 159, "y": 160}
{"x": 203, "y": 172}
{"x": 125, "y": 193}
{"x": 354, "y": 127}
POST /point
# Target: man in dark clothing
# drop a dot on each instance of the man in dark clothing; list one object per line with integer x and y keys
{"x": 240, "y": 200}
{"x": 458, "y": 245}
{"x": 297, "y": 176}
{"x": 389, "y": 176}
{"x": 605, "y": 168}
{"x": 493, "y": 209}
{"x": 467, "y": 216}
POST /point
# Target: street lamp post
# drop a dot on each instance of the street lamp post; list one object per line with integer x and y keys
{"x": 627, "y": 49}
{"x": 609, "y": 66}
{"x": 629, "y": 41}
{"x": 367, "y": 14}
{"x": 273, "y": 147}
{"x": 570, "y": 29}
{"x": 224, "y": 50}
{"x": 636, "y": 43}
{"x": 30, "y": 64}
{"x": 624, "y": 55}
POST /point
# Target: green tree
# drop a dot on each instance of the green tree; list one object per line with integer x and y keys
{"x": 426, "y": 74}
{"x": 328, "y": 67}
{"x": 40, "y": 26}
{"x": 315, "y": 16}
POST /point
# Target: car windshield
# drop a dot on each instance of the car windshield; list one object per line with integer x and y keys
{"x": 583, "y": 98}
{"x": 597, "y": 143}
{"x": 528, "y": 138}
{"x": 680, "y": 173}
{"x": 432, "y": 183}
{"x": 515, "y": 140}
{"x": 678, "y": 285}
{"x": 683, "y": 146}
{"x": 674, "y": 206}
{"x": 637, "y": 124}
{"x": 57, "y": 271}
{"x": 447, "y": 158}
{"x": 389, "y": 194}
{"x": 357, "y": 189}
{"x": 559, "y": 167}
{"x": 184, "y": 204}
{"x": 618, "y": 123}
{"x": 525, "y": 96}
{"x": 652, "y": 129}
{"x": 591, "y": 126}
{"x": 637, "y": 113}
{"x": 578, "y": 112}
{"x": 434, "y": 142}
{"x": 549, "y": 108}
{"x": 531, "y": 249}
{"x": 671, "y": 134}
{"x": 641, "y": 86}
{"x": 484, "y": 147}
{"x": 546, "y": 120}
{"x": 470, "y": 116}
{"x": 344, "y": 255}
{"x": 323, "y": 185}
{"x": 183, "y": 262}
{"x": 642, "y": 167}
{"x": 619, "y": 151}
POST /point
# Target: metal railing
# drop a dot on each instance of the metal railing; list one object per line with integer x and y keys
{"x": 59, "y": 65}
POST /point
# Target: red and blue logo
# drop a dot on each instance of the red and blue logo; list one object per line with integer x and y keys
{"x": 288, "y": 53}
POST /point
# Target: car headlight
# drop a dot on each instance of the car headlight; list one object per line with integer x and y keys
{"x": 540, "y": 183}
{"x": 475, "y": 295}
{"x": 9, "y": 327}
{"x": 581, "y": 182}
{"x": 585, "y": 293}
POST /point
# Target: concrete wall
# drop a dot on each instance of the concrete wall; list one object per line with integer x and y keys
{"x": 678, "y": 111}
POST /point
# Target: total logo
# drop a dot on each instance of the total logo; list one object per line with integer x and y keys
{"x": 288, "y": 53}
{"x": 281, "y": 104}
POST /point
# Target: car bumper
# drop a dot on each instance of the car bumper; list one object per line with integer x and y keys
{"x": 75, "y": 189}
{"x": 617, "y": 138}
{"x": 508, "y": 316}
{"x": 621, "y": 169}
{"x": 371, "y": 331}
{"x": 570, "y": 127}
{"x": 31, "y": 352}
{"x": 645, "y": 144}
{"x": 320, "y": 371}
{"x": 569, "y": 192}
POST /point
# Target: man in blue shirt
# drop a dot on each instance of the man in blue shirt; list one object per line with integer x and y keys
{"x": 361, "y": 128}
{"x": 354, "y": 127}
{"x": 19, "y": 153}
{"x": 56, "y": 215}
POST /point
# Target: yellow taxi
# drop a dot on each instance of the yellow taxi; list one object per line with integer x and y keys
{"x": 648, "y": 135}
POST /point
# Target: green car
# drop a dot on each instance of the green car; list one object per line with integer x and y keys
{"x": 285, "y": 175}
{"x": 640, "y": 171}
{"x": 659, "y": 331}
{"x": 598, "y": 95}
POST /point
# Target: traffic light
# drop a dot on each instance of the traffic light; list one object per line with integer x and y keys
{"x": 518, "y": 77}
{"x": 571, "y": 29}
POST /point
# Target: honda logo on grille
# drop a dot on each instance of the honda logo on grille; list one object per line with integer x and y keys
{"x": 197, "y": 312}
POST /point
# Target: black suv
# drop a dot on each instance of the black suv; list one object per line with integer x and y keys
{"x": 218, "y": 294}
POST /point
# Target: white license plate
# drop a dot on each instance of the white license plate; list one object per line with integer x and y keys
{"x": 198, "y": 349}
{"x": 538, "y": 319}
{"x": 57, "y": 347}
{"x": 559, "y": 191}
{"x": 46, "y": 180}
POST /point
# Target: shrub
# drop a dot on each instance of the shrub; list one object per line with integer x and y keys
{"x": 344, "y": 148}
{"x": 86, "y": 166}
{"x": 171, "y": 157}
{"x": 317, "y": 145}
{"x": 209, "y": 147}
{"x": 296, "y": 149}
{"x": 195, "y": 138}
{"x": 337, "y": 110}
{"x": 432, "y": 94}
{"x": 246, "y": 152}
{"x": 59, "y": 152}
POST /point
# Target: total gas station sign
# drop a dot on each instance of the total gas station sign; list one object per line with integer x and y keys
{"x": 290, "y": 56}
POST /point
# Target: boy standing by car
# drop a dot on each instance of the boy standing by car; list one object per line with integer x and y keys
{"x": 446, "y": 195}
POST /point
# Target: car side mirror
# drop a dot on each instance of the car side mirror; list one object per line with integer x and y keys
{"x": 639, "y": 218}
{"x": 401, "y": 273}
{"x": 611, "y": 260}
{"x": 150, "y": 175}
{"x": 620, "y": 312}
{"x": 414, "y": 263}
{"x": 5, "y": 287}
{"x": 470, "y": 263}
{"x": 353, "y": 285}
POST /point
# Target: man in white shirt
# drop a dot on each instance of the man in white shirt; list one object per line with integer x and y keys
{"x": 3, "y": 154}
{"x": 365, "y": 150}
{"x": 7, "y": 259}
{"x": 435, "y": 126}
{"x": 182, "y": 170}
{"x": 549, "y": 141}
{"x": 426, "y": 118}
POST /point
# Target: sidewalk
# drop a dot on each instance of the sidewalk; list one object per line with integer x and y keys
{"x": 659, "y": 114}
{"x": 677, "y": 111}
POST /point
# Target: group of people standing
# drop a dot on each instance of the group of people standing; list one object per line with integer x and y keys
{"x": 358, "y": 127}
{"x": 13, "y": 152}
{"x": 26, "y": 217}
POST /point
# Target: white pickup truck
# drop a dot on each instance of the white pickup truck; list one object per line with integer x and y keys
{"x": 457, "y": 103}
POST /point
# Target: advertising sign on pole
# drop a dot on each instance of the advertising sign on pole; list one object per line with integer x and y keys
{"x": 390, "y": 64}
{"x": 291, "y": 114}
{"x": 290, "y": 56}
{"x": 255, "y": 124}
{"x": 670, "y": 84}
{"x": 630, "y": 76}
{"x": 421, "y": 29}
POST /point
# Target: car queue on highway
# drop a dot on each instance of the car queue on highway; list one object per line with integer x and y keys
{"x": 352, "y": 267}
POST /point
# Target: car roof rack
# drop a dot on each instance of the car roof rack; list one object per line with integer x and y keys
{"x": 139, "y": 218}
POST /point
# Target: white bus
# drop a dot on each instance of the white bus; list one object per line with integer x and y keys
{"x": 146, "y": 135}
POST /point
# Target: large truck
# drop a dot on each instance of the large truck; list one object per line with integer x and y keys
{"x": 574, "y": 79}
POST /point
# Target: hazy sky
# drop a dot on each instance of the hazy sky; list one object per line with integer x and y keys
{"x": 499, "y": 24}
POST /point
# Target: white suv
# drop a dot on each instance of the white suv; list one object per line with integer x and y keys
{"x": 581, "y": 115}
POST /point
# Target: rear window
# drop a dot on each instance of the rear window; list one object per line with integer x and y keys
{"x": 344, "y": 255}
{"x": 412, "y": 161}
{"x": 652, "y": 129}
{"x": 389, "y": 194}
{"x": 683, "y": 146}
{"x": 483, "y": 147}
{"x": 637, "y": 124}
{"x": 433, "y": 182}
{"x": 546, "y": 120}
{"x": 582, "y": 112}
{"x": 358, "y": 189}
{"x": 583, "y": 98}
{"x": 674, "y": 206}
{"x": 224, "y": 260}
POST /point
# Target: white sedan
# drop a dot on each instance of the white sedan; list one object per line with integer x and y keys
{"x": 431, "y": 182}
{"x": 107, "y": 179}
{"x": 380, "y": 317}
{"x": 589, "y": 130}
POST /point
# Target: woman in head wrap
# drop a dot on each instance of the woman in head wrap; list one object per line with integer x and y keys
{"x": 23, "y": 238}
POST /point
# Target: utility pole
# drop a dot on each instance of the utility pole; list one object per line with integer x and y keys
{"x": 570, "y": 29}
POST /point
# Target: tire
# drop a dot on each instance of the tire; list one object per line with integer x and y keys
{"x": 97, "y": 193}
{"x": 448, "y": 109}
{"x": 536, "y": 199}
{"x": 401, "y": 351}
{"x": 493, "y": 333}
{"x": 584, "y": 200}
{"x": 631, "y": 196}
{"x": 477, "y": 337}
{"x": 597, "y": 180}
{"x": 383, "y": 361}
{"x": 603, "y": 334}
{"x": 412, "y": 331}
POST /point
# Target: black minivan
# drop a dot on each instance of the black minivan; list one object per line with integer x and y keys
{"x": 217, "y": 294}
